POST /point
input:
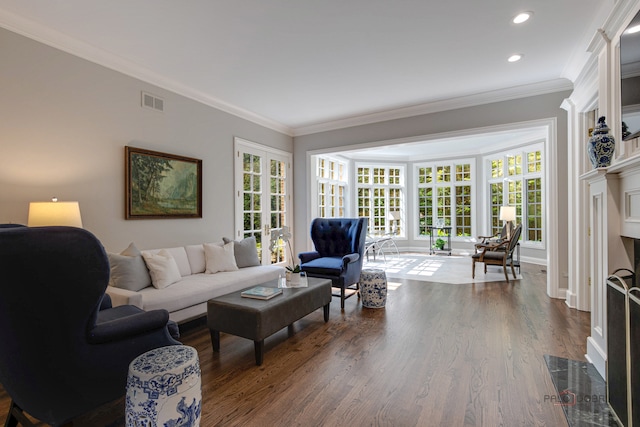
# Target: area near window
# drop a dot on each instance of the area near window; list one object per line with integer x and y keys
{"x": 380, "y": 197}
{"x": 331, "y": 177}
{"x": 444, "y": 190}
{"x": 515, "y": 178}
{"x": 262, "y": 194}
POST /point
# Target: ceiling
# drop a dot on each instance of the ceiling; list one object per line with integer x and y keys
{"x": 445, "y": 147}
{"x": 299, "y": 66}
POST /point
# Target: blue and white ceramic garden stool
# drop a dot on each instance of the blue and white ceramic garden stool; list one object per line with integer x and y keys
{"x": 373, "y": 288}
{"x": 163, "y": 388}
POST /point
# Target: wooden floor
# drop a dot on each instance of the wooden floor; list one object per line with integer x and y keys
{"x": 437, "y": 355}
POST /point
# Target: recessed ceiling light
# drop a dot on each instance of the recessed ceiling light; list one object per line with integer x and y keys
{"x": 522, "y": 17}
{"x": 515, "y": 58}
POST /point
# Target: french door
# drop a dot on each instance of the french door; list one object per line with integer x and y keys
{"x": 263, "y": 197}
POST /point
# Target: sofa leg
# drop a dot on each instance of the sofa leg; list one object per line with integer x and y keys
{"x": 342, "y": 296}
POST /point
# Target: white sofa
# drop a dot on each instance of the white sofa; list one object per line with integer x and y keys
{"x": 187, "y": 298}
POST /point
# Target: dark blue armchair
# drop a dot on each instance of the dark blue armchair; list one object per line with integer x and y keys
{"x": 339, "y": 254}
{"x": 65, "y": 351}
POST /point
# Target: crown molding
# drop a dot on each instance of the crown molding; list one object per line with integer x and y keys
{"x": 499, "y": 95}
{"x": 63, "y": 42}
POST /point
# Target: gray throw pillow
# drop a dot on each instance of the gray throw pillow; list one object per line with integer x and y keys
{"x": 128, "y": 270}
{"x": 245, "y": 251}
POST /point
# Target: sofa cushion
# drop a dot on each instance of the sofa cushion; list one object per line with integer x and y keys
{"x": 219, "y": 257}
{"x": 128, "y": 270}
{"x": 179, "y": 254}
{"x": 197, "y": 261}
{"x": 162, "y": 268}
{"x": 245, "y": 251}
{"x": 199, "y": 288}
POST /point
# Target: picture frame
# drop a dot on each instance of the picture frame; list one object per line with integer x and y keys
{"x": 161, "y": 185}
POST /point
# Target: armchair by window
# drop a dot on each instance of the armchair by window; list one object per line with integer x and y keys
{"x": 487, "y": 240}
{"x": 65, "y": 351}
{"x": 499, "y": 253}
{"x": 339, "y": 254}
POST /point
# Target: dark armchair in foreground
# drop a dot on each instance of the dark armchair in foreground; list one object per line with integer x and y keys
{"x": 339, "y": 254}
{"x": 64, "y": 350}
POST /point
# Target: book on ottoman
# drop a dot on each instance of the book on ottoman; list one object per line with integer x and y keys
{"x": 261, "y": 292}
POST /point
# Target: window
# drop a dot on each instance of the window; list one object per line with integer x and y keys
{"x": 516, "y": 180}
{"x": 445, "y": 190}
{"x": 380, "y": 197}
{"x": 262, "y": 196}
{"x": 331, "y": 178}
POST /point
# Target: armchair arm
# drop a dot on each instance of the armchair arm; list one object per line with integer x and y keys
{"x": 493, "y": 246}
{"x": 308, "y": 256}
{"x": 349, "y": 258}
{"x": 129, "y": 326}
{"x": 106, "y": 302}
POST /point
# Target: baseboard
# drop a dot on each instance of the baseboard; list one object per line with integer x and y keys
{"x": 597, "y": 357}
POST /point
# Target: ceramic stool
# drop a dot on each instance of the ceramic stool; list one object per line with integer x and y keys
{"x": 163, "y": 388}
{"x": 373, "y": 288}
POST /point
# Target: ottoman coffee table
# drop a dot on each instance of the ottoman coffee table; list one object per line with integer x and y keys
{"x": 256, "y": 319}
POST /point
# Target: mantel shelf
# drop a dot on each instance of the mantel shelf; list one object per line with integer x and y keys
{"x": 625, "y": 165}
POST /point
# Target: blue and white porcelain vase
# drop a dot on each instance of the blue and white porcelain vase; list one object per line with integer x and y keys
{"x": 601, "y": 145}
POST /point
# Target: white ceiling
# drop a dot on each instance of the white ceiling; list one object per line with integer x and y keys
{"x": 448, "y": 146}
{"x": 303, "y": 65}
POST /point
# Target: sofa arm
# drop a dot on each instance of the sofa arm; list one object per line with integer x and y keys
{"x": 124, "y": 297}
{"x": 305, "y": 257}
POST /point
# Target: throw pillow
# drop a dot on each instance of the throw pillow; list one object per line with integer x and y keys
{"x": 219, "y": 258}
{"x": 162, "y": 268}
{"x": 128, "y": 270}
{"x": 245, "y": 251}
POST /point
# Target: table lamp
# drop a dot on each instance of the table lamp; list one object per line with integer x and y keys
{"x": 42, "y": 214}
{"x": 508, "y": 214}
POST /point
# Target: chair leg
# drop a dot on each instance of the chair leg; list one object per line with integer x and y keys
{"x": 342, "y": 296}
{"x": 504, "y": 268}
{"x": 16, "y": 416}
{"x": 513, "y": 270}
{"x": 473, "y": 268}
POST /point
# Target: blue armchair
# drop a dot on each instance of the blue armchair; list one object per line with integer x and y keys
{"x": 65, "y": 350}
{"x": 339, "y": 254}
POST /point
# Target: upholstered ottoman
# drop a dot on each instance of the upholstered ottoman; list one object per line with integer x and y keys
{"x": 163, "y": 388}
{"x": 257, "y": 319}
{"x": 373, "y": 288}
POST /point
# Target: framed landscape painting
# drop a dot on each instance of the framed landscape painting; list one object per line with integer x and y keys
{"x": 161, "y": 185}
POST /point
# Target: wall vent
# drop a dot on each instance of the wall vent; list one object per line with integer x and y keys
{"x": 153, "y": 102}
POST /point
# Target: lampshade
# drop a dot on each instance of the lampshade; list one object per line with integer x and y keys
{"x": 508, "y": 213}
{"x": 54, "y": 213}
{"x": 394, "y": 215}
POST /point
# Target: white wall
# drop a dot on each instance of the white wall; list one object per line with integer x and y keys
{"x": 501, "y": 113}
{"x": 64, "y": 123}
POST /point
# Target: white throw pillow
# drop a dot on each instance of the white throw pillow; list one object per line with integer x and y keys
{"x": 219, "y": 257}
{"x": 162, "y": 268}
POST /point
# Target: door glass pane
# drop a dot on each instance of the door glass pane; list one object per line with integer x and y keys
{"x": 251, "y": 197}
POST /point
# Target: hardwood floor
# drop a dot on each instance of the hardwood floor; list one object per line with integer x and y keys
{"x": 437, "y": 355}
